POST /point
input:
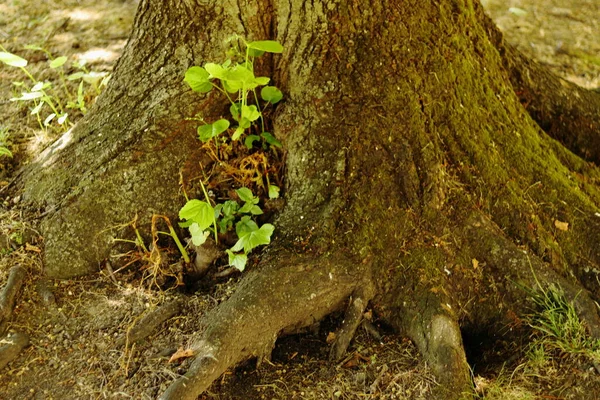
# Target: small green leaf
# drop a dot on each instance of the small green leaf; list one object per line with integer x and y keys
{"x": 75, "y": 76}
{"x": 37, "y": 87}
{"x": 5, "y": 152}
{"x": 251, "y": 113}
{"x": 237, "y": 260}
{"x": 273, "y": 192}
{"x": 198, "y": 79}
{"x": 245, "y": 195}
{"x": 256, "y": 210}
{"x": 220, "y": 126}
{"x": 255, "y": 53}
{"x": 271, "y": 94}
{"x": 215, "y": 70}
{"x": 49, "y": 119}
{"x": 241, "y": 74}
{"x": 245, "y": 226}
{"x": 58, "y": 62}
{"x": 250, "y": 140}
{"x": 234, "y": 109}
{"x": 270, "y": 46}
{"x": 28, "y": 96}
{"x": 232, "y": 86}
{"x": 198, "y": 235}
{"x": 198, "y": 211}
{"x": 262, "y": 80}
{"x": 251, "y": 240}
{"x": 36, "y": 110}
{"x": 12, "y": 60}
{"x": 62, "y": 118}
{"x": 237, "y": 133}
{"x": 230, "y": 207}
{"x": 208, "y": 131}
{"x": 272, "y": 140}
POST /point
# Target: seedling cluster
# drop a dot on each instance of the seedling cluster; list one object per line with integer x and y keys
{"x": 236, "y": 80}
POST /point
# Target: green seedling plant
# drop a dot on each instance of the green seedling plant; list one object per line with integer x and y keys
{"x": 235, "y": 78}
{"x": 200, "y": 217}
{"x": 44, "y": 95}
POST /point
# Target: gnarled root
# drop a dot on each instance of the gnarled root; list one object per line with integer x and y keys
{"x": 433, "y": 326}
{"x": 279, "y": 298}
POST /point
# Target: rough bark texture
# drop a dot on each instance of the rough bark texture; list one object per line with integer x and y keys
{"x": 416, "y": 180}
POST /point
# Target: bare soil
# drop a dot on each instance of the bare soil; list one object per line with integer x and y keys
{"x": 74, "y": 326}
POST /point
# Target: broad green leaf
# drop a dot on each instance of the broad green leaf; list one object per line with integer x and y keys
{"x": 5, "y": 152}
{"x": 198, "y": 235}
{"x": 234, "y": 109}
{"x": 245, "y": 226}
{"x": 230, "y": 207}
{"x": 249, "y": 142}
{"x": 256, "y": 210}
{"x": 255, "y": 53}
{"x": 246, "y": 208}
{"x": 237, "y": 260}
{"x": 28, "y": 96}
{"x": 245, "y": 195}
{"x": 12, "y": 60}
{"x": 272, "y": 140}
{"x": 270, "y": 46}
{"x": 215, "y": 70}
{"x": 271, "y": 94}
{"x": 58, "y": 62}
{"x": 232, "y": 86}
{"x": 273, "y": 192}
{"x": 208, "y": 131}
{"x": 241, "y": 74}
{"x": 262, "y": 80}
{"x": 250, "y": 113}
{"x": 197, "y": 78}
{"x": 205, "y": 132}
{"x": 198, "y": 211}
{"x": 237, "y": 133}
{"x": 253, "y": 239}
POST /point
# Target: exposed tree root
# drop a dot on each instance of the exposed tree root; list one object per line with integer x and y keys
{"x": 429, "y": 320}
{"x": 14, "y": 345}
{"x": 8, "y": 295}
{"x": 283, "y": 298}
{"x": 149, "y": 323}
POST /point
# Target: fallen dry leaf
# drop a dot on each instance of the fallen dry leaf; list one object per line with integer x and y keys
{"x": 181, "y": 353}
{"x": 30, "y": 247}
{"x": 563, "y": 226}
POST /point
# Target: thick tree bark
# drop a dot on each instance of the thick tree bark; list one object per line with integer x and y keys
{"x": 416, "y": 180}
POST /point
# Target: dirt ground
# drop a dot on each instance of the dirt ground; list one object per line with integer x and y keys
{"x": 75, "y": 326}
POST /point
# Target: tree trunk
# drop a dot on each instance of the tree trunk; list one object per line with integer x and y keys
{"x": 416, "y": 181}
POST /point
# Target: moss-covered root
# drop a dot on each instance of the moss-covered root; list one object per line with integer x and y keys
{"x": 287, "y": 294}
{"x": 564, "y": 110}
{"x": 434, "y": 328}
{"x": 524, "y": 270}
